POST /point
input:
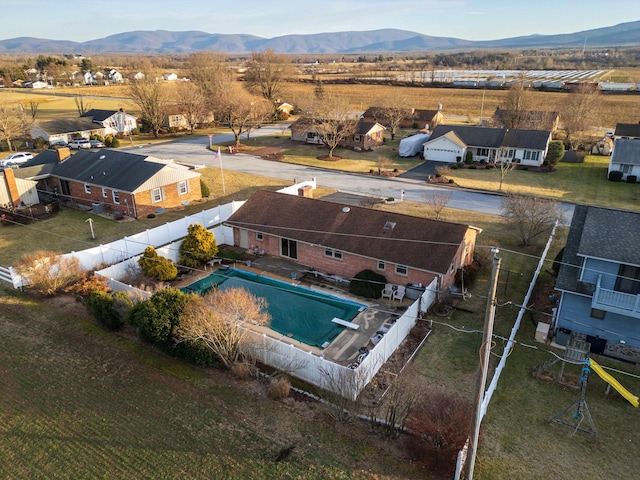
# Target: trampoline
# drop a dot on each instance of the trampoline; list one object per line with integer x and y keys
{"x": 296, "y": 312}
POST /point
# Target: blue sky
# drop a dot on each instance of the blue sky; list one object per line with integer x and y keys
{"x": 81, "y": 20}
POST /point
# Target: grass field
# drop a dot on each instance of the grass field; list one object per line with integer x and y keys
{"x": 79, "y": 402}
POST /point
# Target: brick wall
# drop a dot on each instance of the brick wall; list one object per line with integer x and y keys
{"x": 314, "y": 256}
{"x": 139, "y": 205}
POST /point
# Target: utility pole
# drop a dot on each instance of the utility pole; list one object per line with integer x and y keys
{"x": 485, "y": 353}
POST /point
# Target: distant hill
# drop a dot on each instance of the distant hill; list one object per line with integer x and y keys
{"x": 386, "y": 40}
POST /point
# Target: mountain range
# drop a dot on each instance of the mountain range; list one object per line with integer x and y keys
{"x": 386, "y": 40}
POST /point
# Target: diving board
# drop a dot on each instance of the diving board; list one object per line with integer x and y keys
{"x": 344, "y": 323}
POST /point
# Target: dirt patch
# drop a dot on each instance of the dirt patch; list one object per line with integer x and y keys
{"x": 327, "y": 158}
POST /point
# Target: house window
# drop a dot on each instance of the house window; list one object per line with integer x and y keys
{"x": 104, "y": 192}
{"x": 259, "y": 236}
{"x": 87, "y": 189}
{"x": 356, "y": 138}
{"x": 289, "y": 248}
{"x": 381, "y": 265}
{"x": 597, "y": 313}
{"x": 453, "y": 267}
{"x": 156, "y": 195}
{"x": 628, "y": 280}
{"x": 329, "y": 252}
{"x": 482, "y": 152}
{"x": 116, "y": 197}
{"x": 183, "y": 187}
{"x": 626, "y": 168}
{"x": 311, "y": 135}
{"x": 529, "y": 155}
{"x": 402, "y": 270}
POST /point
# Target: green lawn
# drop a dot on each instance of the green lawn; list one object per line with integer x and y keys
{"x": 80, "y": 402}
{"x": 571, "y": 182}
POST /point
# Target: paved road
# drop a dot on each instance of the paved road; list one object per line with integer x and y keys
{"x": 194, "y": 150}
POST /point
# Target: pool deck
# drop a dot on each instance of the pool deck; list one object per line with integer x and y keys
{"x": 345, "y": 348}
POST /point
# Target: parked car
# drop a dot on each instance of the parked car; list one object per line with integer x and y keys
{"x": 96, "y": 144}
{"x": 16, "y": 159}
{"x": 58, "y": 144}
{"x": 78, "y": 143}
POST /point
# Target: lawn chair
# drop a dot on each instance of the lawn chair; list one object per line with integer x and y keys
{"x": 387, "y": 292}
{"x": 398, "y": 294}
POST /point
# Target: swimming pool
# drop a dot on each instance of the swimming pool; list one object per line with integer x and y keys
{"x": 297, "y": 312}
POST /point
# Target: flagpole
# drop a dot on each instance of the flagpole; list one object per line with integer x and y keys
{"x": 221, "y": 170}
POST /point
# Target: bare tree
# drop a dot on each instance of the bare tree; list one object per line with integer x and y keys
{"x": 331, "y": 119}
{"x": 13, "y": 124}
{"x": 192, "y": 104}
{"x": 34, "y": 105}
{"x": 48, "y": 272}
{"x": 503, "y": 164}
{"x": 241, "y": 111}
{"x": 82, "y": 105}
{"x": 396, "y": 109}
{"x": 149, "y": 95}
{"x": 530, "y": 216}
{"x": 518, "y": 105}
{"x": 395, "y": 408}
{"x": 383, "y": 163}
{"x": 580, "y": 110}
{"x": 437, "y": 200}
{"x": 267, "y": 73}
{"x": 211, "y": 73}
{"x": 220, "y": 321}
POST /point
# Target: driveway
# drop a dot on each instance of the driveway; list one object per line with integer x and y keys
{"x": 422, "y": 171}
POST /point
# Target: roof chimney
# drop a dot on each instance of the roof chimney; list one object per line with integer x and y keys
{"x": 63, "y": 154}
{"x": 12, "y": 187}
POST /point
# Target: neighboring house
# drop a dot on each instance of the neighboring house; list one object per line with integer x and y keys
{"x": 344, "y": 240}
{"x": 115, "y": 122}
{"x": 599, "y": 282}
{"x": 625, "y": 158}
{"x": 368, "y": 134}
{"x": 114, "y": 76}
{"x": 421, "y": 119}
{"x": 64, "y": 130}
{"x": 176, "y": 119}
{"x": 170, "y": 77}
{"x": 627, "y": 131}
{"x": 285, "y": 108}
{"x": 38, "y": 84}
{"x": 450, "y": 143}
{"x": 603, "y": 147}
{"x": 531, "y": 120}
{"x": 138, "y": 76}
{"x": 17, "y": 191}
{"x": 113, "y": 181}
{"x": 89, "y": 78}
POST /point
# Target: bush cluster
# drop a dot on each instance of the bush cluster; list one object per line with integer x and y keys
{"x": 368, "y": 284}
{"x": 155, "y": 266}
{"x": 615, "y": 176}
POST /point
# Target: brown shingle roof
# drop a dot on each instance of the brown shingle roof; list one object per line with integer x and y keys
{"x": 415, "y": 242}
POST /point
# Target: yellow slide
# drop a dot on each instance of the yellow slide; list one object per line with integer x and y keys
{"x": 613, "y": 382}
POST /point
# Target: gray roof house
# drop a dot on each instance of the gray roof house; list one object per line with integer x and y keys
{"x": 66, "y": 129}
{"x": 113, "y": 181}
{"x": 599, "y": 282}
{"x": 450, "y": 143}
{"x": 625, "y": 158}
{"x": 627, "y": 130}
{"x": 115, "y": 122}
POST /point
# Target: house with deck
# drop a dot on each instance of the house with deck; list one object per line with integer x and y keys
{"x": 343, "y": 240}
{"x": 599, "y": 283}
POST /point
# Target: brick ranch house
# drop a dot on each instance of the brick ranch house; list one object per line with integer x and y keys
{"x": 112, "y": 181}
{"x": 344, "y": 240}
{"x": 367, "y": 135}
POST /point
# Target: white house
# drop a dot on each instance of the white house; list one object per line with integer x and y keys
{"x": 114, "y": 76}
{"x": 114, "y": 122}
{"x": 170, "y": 77}
{"x": 625, "y": 158}
{"x": 450, "y": 143}
{"x": 138, "y": 76}
{"x": 89, "y": 78}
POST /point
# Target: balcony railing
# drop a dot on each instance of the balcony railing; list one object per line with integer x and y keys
{"x": 616, "y": 302}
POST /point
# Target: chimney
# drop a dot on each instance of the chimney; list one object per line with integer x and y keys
{"x": 12, "y": 187}
{"x": 63, "y": 154}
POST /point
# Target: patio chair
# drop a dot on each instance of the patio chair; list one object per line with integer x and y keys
{"x": 387, "y": 292}
{"x": 398, "y": 294}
